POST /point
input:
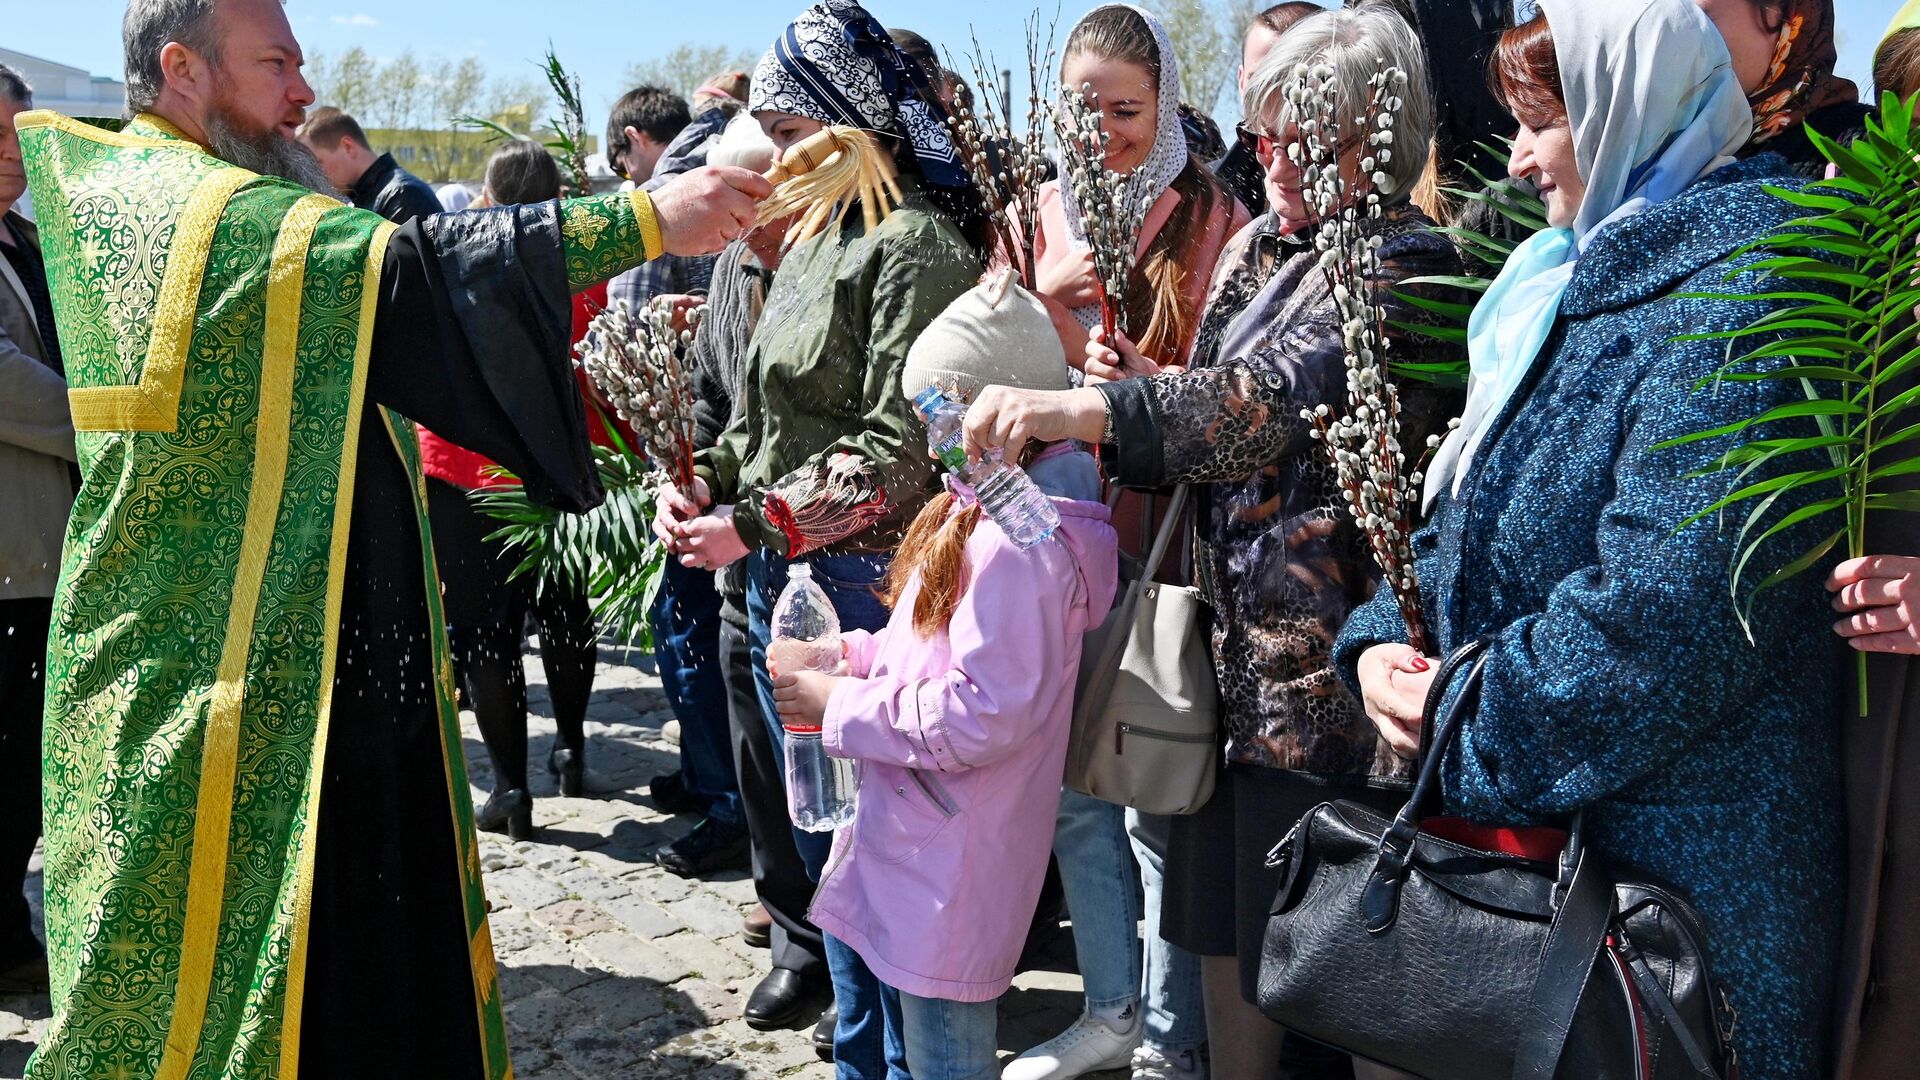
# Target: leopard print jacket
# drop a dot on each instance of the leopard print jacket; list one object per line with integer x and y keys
{"x": 1277, "y": 555}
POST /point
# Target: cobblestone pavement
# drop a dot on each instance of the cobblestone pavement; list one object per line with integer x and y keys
{"x": 612, "y": 968}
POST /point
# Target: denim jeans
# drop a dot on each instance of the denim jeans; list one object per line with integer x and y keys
{"x": 1097, "y": 870}
{"x": 867, "y": 1044}
{"x": 686, "y": 646}
{"x": 951, "y": 1040}
{"x": 1173, "y": 1001}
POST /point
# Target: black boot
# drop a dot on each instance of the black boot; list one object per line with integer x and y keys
{"x": 569, "y": 767}
{"x": 711, "y": 847}
{"x": 510, "y": 812}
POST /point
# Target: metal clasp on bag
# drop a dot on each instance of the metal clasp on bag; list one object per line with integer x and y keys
{"x": 1276, "y": 857}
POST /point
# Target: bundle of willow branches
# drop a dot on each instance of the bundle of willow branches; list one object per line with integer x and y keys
{"x": 1363, "y": 441}
{"x": 639, "y": 361}
{"x": 1007, "y": 171}
{"x": 1112, "y": 208}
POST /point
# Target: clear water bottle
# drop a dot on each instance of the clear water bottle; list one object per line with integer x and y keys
{"x": 806, "y": 636}
{"x": 1006, "y": 492}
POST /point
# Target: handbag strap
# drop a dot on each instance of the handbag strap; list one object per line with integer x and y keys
{"x": 1566, "y": 963}
{"x": 1380, "y": 900}
{"x": 1094, "y": 701}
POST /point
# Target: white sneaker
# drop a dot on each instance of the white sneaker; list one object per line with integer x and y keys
{"x": 1151, "y": 1064}
{"x": 1088, "y": 1046}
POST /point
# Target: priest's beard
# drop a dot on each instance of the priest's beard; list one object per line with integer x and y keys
{"x": 235, "y": 140}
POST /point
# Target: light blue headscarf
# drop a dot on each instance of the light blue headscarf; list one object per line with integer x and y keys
{"x": 1654, "y": 105}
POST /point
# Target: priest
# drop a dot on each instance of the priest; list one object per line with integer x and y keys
{"x": 260, "y": 854}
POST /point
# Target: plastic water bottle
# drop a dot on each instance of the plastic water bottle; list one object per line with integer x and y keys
{"x": 1006, "y": 492}
{"x": 806, "y": 636}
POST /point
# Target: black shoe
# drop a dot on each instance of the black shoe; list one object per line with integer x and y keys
{"x": 711, "y": 847}
{"x": 670, "y": 794}
{"x": 824, "y": 1031}
{"x": 779, "y": 1001}
{"x": 569, "y": 767}
{"x": 510, "y": 812}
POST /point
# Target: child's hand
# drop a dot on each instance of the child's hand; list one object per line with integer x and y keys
{"x": 801, "y": 698}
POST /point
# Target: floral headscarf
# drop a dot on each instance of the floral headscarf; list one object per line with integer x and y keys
{"x": 1801, "y": 79}
{"x": 836, "y": 64}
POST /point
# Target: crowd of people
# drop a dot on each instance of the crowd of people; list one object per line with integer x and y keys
{"x": 1620, "y": 684}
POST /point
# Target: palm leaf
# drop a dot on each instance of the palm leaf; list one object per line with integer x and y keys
{"x": 1512, "y": 203}
{"x": 1845, "y": 281}
{"x": 609, "y": 551}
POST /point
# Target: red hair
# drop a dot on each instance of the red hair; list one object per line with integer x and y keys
{"x": 1526, "y": 74}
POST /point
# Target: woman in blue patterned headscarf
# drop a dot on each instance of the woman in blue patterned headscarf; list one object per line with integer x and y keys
{"x": 836, "y": 64}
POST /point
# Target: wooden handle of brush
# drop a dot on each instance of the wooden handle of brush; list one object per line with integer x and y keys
{"x": 804, "y": 156}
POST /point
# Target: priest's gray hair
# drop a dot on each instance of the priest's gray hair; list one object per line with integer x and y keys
{"x": 14, "y": 88}
{"x": 1356, "y": 43}
{"x": 148, "y": 27}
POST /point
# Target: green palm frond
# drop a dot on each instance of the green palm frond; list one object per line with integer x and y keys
{"x": 610, "y": 551}
{"x": 1842, "y": 329}
{"x": 1510, "y": 203}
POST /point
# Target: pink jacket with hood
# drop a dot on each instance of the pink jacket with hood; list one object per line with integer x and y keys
{"x": 962, "y": 741}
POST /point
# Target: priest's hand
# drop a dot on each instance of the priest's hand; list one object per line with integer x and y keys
{"x": 672, "y": 507}
{"x": 1882, "y": 595}
{"x": 701, "y": 211}
{"x": 710, "y": 542}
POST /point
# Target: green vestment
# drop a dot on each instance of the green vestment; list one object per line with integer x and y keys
{"x": 216, "y": 326}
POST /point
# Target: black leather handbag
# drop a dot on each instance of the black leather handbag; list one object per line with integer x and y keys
{"x": 1456, "y": 952}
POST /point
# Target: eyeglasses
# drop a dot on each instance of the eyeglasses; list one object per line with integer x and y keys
{"x": 617, "y": 161}
{"x": 1262, "y": 142}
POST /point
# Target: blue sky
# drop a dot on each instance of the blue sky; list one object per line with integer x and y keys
{"x": 598, "y": 39}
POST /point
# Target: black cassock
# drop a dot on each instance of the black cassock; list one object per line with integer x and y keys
{"x": 471, "y": 340}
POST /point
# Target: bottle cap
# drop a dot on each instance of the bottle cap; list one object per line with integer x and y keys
{"x": 799, "y": 571}
{"x": 802, "y": 729}
{"x": 928, "y": 400}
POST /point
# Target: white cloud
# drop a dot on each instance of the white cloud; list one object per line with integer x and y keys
{"x": 356, "y": 19}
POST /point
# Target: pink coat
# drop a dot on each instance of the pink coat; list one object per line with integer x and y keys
{"x": 962, "y": 741}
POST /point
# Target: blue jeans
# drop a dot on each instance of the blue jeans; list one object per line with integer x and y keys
{"x": 1175, "y": 1007}
{"x": 686, "y": 646}
{"x": 1097, "y": 871}
{"x": 867, "y": 1044}
{"x": 951, "y": 1040}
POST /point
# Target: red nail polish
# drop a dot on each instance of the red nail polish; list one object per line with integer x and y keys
{"x": 1418, "y": 663}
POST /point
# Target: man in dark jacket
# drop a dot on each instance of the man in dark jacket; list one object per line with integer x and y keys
{"x": 1240, "y": 170}
{"x": 37, "y": 477}
{"x": 375, "y": 183}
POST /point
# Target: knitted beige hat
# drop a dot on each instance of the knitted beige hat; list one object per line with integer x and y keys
{"x": 995, "y": 334}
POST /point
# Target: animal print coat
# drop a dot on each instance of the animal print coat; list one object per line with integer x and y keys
{"x": 1276, "y": 553}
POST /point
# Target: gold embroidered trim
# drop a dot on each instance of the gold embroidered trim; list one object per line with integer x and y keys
{"x": 309, "y": 846}
{"x": 46, "y": 118}
{"x": 153, "y": 403}
{"x": 649, "y": 224}
{"x": 220, "y": 746}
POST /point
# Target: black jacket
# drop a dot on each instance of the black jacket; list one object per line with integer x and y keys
{"x": 393, "y": 192}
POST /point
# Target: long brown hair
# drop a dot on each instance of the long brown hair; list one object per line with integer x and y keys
{"x": 1156, "y": 297}
{"x": 935, "y": 547}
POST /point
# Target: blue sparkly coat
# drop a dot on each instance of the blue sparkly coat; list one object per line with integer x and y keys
{"x": 1619, "y": 680}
